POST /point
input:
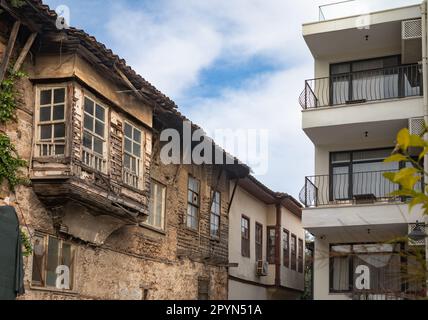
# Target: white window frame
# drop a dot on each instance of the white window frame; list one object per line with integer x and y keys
{"x": 44, "y": 144}
{"x": 153, "y": 201}
{"x": 90, "y": 157}
{"x": 133, "y": 179}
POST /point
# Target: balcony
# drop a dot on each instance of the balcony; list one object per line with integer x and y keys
{"x": 348, "y": 189}
{"x": 363, "y": 86}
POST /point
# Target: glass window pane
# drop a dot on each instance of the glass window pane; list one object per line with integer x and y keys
{"x": 58, "y": 112}
{"x": 133, "y": 164}
{"x": 52, "y": 262}
{"x": 128, "y": 145}
{"x": 45, "y": 114}
{"x": 59, "y": 150}
{"x": 88, "y": 123}
{"x": 59, "y": 95}
{"x": 100, "y": 113}
{"x": 38, "y": 254}
{"x": 137, "y": 135}
{"x": 339, "y": 157}
{"x": 340, "y": 68}
{"x": 99, "y": 128}
{"x": 128, "y": 130}
{"x": 59, "y": 131}
{"x": 66, "y": 255}
{"x": 340, "y": 273}
{"x": 87, "y": 140}
{"x": 137, "y": 150}
{"x": 45, "y": 97}
{"x": 127, "y": 161}
{"x": 367, "y": 65}
{"x": 89, "y": 106}
{"x": 370, "y": 155}
{"x": 98, "y": 145}
{"x": 46, "y": 132}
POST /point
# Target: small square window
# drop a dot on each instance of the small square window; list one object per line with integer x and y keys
{"x": 89, "y": 106}
{"x": 58, "y": 112}
{"x": 45, "y": 97}
{"x": 59, "y": 95}
{"x": 46, "y": 132}
{"x": 59, "y": 131}
{"x": 45, "y": 114}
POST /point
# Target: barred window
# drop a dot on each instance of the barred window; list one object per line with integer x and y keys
{"x": 51, "y": 122}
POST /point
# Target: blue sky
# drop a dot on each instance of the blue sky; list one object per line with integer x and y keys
{"x": 230, "y": 64}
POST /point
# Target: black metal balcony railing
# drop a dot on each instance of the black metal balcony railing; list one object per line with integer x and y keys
{"x": 362, "y": 86}
{"x": 358, "y": 187}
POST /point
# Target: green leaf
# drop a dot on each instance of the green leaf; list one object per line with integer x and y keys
{"x": 403, "y": 139}
{"x": 405, "y": 173}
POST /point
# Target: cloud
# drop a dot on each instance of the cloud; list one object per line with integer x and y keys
{"x": 171, "y": 42}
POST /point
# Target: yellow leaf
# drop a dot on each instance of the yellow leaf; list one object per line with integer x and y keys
{"x": 396, "y": 158}
{"x": 423, "y": 153}
{"x": 404, "y": 173}
{"x": 416, "y": 141}
{"x": 403, "y": 138}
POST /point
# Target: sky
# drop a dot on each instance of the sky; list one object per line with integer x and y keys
{"x": 228, "y": 64}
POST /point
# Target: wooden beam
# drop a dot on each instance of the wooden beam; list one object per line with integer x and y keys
{"x": 24, "y": 52}
{"x": 129, "y": 84}
{"x": 8, "y": 52}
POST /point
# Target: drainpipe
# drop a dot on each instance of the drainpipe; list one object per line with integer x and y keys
{"x": 425, "y": 86}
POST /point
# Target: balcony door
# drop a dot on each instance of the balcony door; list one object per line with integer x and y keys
{"x": 373, "y": 79}
{"x": 360, "y": 173}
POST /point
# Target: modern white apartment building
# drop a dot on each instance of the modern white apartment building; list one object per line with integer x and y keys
{"x": 266, "y": 243}
{"x": 368, "y": 84}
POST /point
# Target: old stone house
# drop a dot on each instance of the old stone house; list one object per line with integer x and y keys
{"x": 107, "y": 219}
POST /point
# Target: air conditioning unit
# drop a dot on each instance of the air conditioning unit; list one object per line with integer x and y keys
{"x": 417, "y": 126}
{"x": 415, "y": 243}
{"x": 411, "y": 38}
{"x": 262, "y": 268}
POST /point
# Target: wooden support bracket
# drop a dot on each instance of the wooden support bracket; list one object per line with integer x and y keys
{"x": 9, "y": 49}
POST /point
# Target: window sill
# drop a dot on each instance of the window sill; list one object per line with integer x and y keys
{"x": 129, "y": 187}
{"x": 195, "y": 231}
{"x": 54, "y": 290}
{"x": 147, "y": 226}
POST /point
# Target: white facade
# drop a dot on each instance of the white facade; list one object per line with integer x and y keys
{"x": 258, "y": 205}
{"x": 367, "y": 86}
